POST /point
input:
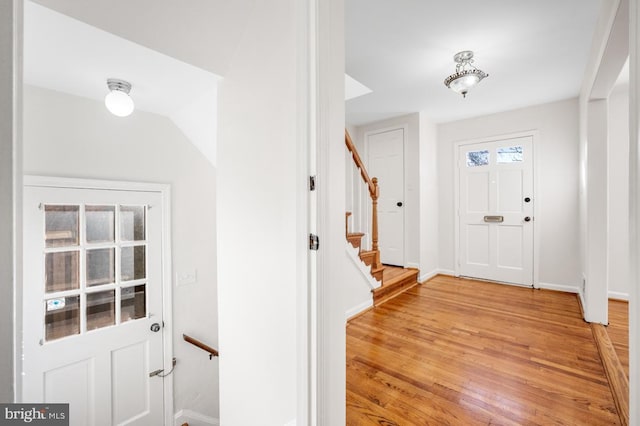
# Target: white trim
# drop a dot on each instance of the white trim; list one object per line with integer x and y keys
{"x": 355, "y": 310}
{"x": 405, "y": 138}
{"x": 559, "y": 287}
{"x": 190, "y": 416}
{"x": 427, "y": 276}
{"x": 535, "y": 141}
{"x": 167, "y": 284}
{"x": 412, "y": 265}
{"x": 616, "y": 295}
{"x": 364, "y": 269}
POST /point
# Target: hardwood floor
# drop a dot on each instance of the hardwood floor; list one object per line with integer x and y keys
{"x": 618, "y": 330}
{"x": 463, "y": 352}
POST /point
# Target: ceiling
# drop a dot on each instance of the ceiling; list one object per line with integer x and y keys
{"x": 203, "y": 33}
{"x": 534, "y": 52}
{"x": 74, "y": 47}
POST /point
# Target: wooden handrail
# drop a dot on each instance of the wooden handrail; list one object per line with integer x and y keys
{"x": 356, "y": 157}
{"x": 374, "y": 192}
{"x": 212, "y": 352}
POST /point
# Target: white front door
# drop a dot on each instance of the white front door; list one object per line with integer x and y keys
{"x": 386, "y": 162}
{"x": 496, "y": 210}
{"x": 92, "y": 304}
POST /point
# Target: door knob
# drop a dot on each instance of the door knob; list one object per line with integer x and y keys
{"x": 155, "y": 327}
{"x": 399, "y": 204}
{"x": 527, "y": 199}
{"x": 527, "y": 219}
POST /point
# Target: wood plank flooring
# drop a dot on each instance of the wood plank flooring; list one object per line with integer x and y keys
{"x": 618, "y": 330}
{"x": 463, "y": 352}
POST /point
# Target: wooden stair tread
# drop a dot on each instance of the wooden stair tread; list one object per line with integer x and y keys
{"x": 355, "y": 234}
{"x": 397, "y": 281}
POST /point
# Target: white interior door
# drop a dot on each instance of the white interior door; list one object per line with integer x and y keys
{"x": 496, "y": 210}
{"x": 92, "y": 294}
{"x": 386, "y": 162}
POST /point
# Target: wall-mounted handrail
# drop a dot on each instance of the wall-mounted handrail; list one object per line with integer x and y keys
{"x": 212, "y": 352}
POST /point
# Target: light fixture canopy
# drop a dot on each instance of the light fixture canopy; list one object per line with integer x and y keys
{"x": 118, "y": 101}
{"x": 466, "y": 75}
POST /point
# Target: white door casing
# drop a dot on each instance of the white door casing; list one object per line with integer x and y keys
{"x": 385, "y": 155}
{"x": 496, "y": 210}
{"x": 91, "y": 295}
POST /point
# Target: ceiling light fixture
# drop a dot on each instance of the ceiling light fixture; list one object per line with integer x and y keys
{"x": 466, "y": 75}
{"x": 118, "y": 101}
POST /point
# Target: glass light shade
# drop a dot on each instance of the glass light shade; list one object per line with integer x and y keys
{"x": 119, "y": 103}
{"x": 463, "y": 83}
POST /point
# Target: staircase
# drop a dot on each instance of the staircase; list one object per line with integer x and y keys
{"x": 394, "y": 280}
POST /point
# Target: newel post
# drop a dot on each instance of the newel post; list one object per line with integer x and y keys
{"x": 374, "y": 221}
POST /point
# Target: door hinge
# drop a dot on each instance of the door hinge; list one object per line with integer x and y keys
{"x": 312, "y": 183}
{"x": 314, "y": 242}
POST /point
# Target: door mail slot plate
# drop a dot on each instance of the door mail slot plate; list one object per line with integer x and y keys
{"x": 494, "y": 219}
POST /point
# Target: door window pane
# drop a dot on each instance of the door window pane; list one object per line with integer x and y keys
{"x": 133, "y": 263}
{"x": 100, "y": 222}
{"x": 477, "y": 158}
{"x": 62, "y": 317}
{"x": 101, "y": 309}
{"x": 509, "y": 154}
{"x": 62, "y": 271}
{"x": 61, "y": 225}
{"x": 133, "y": 303}
{"x": 132, "y": 223}
{"x": 100, "y": 266}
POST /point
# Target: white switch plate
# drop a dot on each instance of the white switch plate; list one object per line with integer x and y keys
{"x": 187, "y": 277}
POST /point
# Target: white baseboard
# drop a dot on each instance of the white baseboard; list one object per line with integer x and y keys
{"x": 559, "y": 287}
{"x": 194, "y": 419}
{"x": 413, "y": 265}
{"x": 619, "y": 296}
{"x": 449, "y": 272}
{"x": 357, "y": 309}
{"x": 428, "y": 275}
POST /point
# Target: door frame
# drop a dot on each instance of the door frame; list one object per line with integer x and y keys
{"x": 367, "y": 216}
{"x": 167, "y": 286}
{"x": 534, "y": 134}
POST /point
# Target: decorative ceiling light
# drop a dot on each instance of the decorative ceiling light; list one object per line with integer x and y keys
{"x": 466, "y": 75}
{"x": 117, "y": 100}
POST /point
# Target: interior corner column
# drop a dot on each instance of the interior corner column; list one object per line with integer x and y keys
{"x": 634, "y": 211}
{"x": 596, "y": 288}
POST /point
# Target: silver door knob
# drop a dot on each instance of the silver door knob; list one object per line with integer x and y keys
{"x": 155, "y": 327}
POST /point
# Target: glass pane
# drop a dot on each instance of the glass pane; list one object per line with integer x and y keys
{"x": 133, "y": 303}
{"x": 100, "y": 266}
{"x": 132, "y": 263}
{"x": 477, "y": 158}
{"x": 62, "y": 271}
{"x": 62, "y": 317}
{"x": 132, "y": 223}
{"x": 509, "y": 154}
{"x": 61, "y": 225}
{"x": 101, "y": 309}
{"x": 100, "y": 223}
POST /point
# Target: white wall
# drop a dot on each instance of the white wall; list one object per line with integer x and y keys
{"x": 429, "y": 207}
{"x": 411, "y": 177}
{"x": 257, "y": 222}
{"x": 10, "y": 189}
{"x": 70, "y": 136}
{"x": 618, "y": 189}
{"x": 557, "y": 183}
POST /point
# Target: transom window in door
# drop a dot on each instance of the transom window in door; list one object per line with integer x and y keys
{"x": 509, "y": 154}
{"x": 95, "y": 267}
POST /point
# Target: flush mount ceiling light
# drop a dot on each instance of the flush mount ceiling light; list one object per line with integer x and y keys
{"x": 466, "y": 75}
{"x": 117, "y": 100}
